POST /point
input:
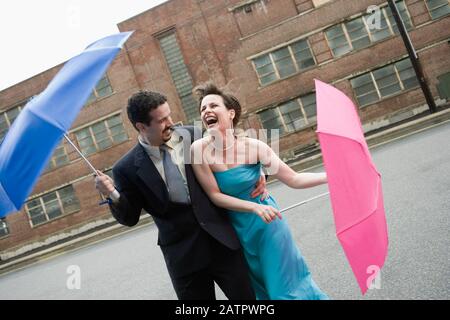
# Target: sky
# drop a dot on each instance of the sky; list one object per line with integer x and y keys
{"x": 37, "y": 35}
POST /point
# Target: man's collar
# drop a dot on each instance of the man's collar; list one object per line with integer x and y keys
{"x": 154, "y": 150}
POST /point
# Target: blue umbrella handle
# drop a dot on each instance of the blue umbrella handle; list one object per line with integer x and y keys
{"x": 106, "y": 201}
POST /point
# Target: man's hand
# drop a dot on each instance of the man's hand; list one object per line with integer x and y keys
{"x": 104, "y": 184}
{"x": 260, "y": 189}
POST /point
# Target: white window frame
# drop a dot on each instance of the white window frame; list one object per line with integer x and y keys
{"x": 42, "y": 205}
{"x": 274, "y": 66}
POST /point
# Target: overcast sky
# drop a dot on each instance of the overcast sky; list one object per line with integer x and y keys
{"x": 39, "y": 34}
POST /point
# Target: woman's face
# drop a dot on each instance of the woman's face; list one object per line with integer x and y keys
{"x": 214, "y": 114}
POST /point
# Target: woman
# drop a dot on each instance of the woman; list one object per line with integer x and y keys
{"x": 227, "y": 167}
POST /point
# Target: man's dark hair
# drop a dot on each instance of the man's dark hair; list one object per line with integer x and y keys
{"x": 141, "y": 103}
{"x": 229, "y": 100}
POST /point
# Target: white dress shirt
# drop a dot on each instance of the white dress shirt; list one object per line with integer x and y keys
{"x": 176, "y": 150}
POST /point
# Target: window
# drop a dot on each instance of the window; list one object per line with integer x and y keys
{"x": 52, "y": 205}
{"x": 101, "y": 135}
{"x": 283, "y": 62}
{"x": 438, "y": 8}
{"x": 358, "y": 33}
{"x": 383, "y": 82}
{"x": 291, "y": 115}
{"x": 59, "y": 157}
{"x": 7, "y": 118}
{"x": 180, "y": 75}
{"x": 444, "y": 86}
{"x": 4, "y": 231}
{"x": 102, "y": 89}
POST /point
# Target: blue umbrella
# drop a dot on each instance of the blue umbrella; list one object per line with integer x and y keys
{"x": 37, "y": 130}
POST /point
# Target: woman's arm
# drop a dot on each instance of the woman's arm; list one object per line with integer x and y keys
{"x": 208, "y": 182}
{"x": 284, "y": 173}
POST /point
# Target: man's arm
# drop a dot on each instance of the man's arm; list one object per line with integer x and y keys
{"x": 126, "y": 206}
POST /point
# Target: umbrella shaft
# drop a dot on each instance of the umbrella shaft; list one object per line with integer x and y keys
{"x": 82, "y": 156}
{"x": 305, "y": 201}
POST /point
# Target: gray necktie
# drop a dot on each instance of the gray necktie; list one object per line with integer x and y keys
{"x": 174, "y": 179}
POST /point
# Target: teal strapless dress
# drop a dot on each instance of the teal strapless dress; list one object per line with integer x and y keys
{"x": 277, "y": 268}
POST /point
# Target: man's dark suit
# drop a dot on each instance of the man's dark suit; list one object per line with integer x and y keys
{"x": 195, "y": 239}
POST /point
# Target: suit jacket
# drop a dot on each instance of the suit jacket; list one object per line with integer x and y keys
{"x": 184, "y": 230}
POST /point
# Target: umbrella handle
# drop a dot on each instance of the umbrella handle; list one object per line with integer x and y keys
{"x": 94, "y": 171}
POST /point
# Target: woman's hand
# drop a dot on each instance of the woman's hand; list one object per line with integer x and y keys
{"x": 267, "y": 213}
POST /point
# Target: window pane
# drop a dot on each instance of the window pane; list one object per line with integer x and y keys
{"x": 82, "y": 133}
{"x": 34, "y": 203}
{"x": 309, "y": 106}
{"x": 270, "y": 119}
{"x": 12, "y": 114}
{"x": 268, "y": 79}
{"x": 407, "y": 74}
{"x": 91, "y": 98}
{"x": 117, "y": 129}
{"x": 262, "y": 61}
{"x": 293, "y": 117}
{"x": 113, "y": 121}
{"x": 36, "y": 211}
{"x": 367, "y": 99}
{"x": 302, "y": 54}
{"x": 364, "y": 88}
{"x": 88, "y": 150}
{"x": 403, "y": 14}
{"x": 59, "y": 161}
{"x": 69, "y": 200}
{"x": 49, "y": 197}
{"x": 180, "y": 75}
{"x": 38, "y": 219}
{"x": 438, "y": 8}
{"x": 53, "y": 209}
{"x": 358, "y": 33}
{"x": 387, "y": 80}
{"x": 3, "y": 126}
{"x": 190, "y": 108}
{"x": 98, "y": 127}
{"x": 103, "y": 83}
{"x": 103, "y": 144}
{"x": 381, "y": 33}
{"x": 283, "y": 62}
{"x": 104, "y": 92}
{"x": 86, "y": 142}
{"x": 3, "y": 228}
{"x": 120, "y": 137}
{"x": 101, "y": 136}
{"x": 337, "y": 40}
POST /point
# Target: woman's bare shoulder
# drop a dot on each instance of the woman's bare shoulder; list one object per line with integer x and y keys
{"x": 253, "y": 142}
{"x": 201, "y": 143}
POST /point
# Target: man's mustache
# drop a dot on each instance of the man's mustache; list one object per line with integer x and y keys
{"x": 169, "y": 129}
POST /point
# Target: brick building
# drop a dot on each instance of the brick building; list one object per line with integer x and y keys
{"x": 265, "y": 51}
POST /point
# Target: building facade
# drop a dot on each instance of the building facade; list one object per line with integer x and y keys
{"x": 267, "y": 52}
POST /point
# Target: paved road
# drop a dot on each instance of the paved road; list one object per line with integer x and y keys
{"x": 416, "y": 183}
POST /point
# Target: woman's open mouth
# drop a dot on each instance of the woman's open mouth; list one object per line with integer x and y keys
{"x": 210, "y": 121}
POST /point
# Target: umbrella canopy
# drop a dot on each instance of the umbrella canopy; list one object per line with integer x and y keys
{"x": 37, "y": 130}
{"x": 354, "y": 184}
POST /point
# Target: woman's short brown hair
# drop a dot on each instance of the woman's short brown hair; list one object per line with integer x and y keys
{"x": 229, "y": 100}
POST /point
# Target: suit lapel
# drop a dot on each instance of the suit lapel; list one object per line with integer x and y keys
{"x": 150, "y": 175}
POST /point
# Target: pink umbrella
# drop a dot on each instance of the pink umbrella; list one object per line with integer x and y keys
{"x": 354, "y": 184}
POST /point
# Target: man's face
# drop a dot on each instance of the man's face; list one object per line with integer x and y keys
{"x": 159, "y": 131}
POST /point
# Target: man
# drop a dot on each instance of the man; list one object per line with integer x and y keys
{"x": 199, "y": 244}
